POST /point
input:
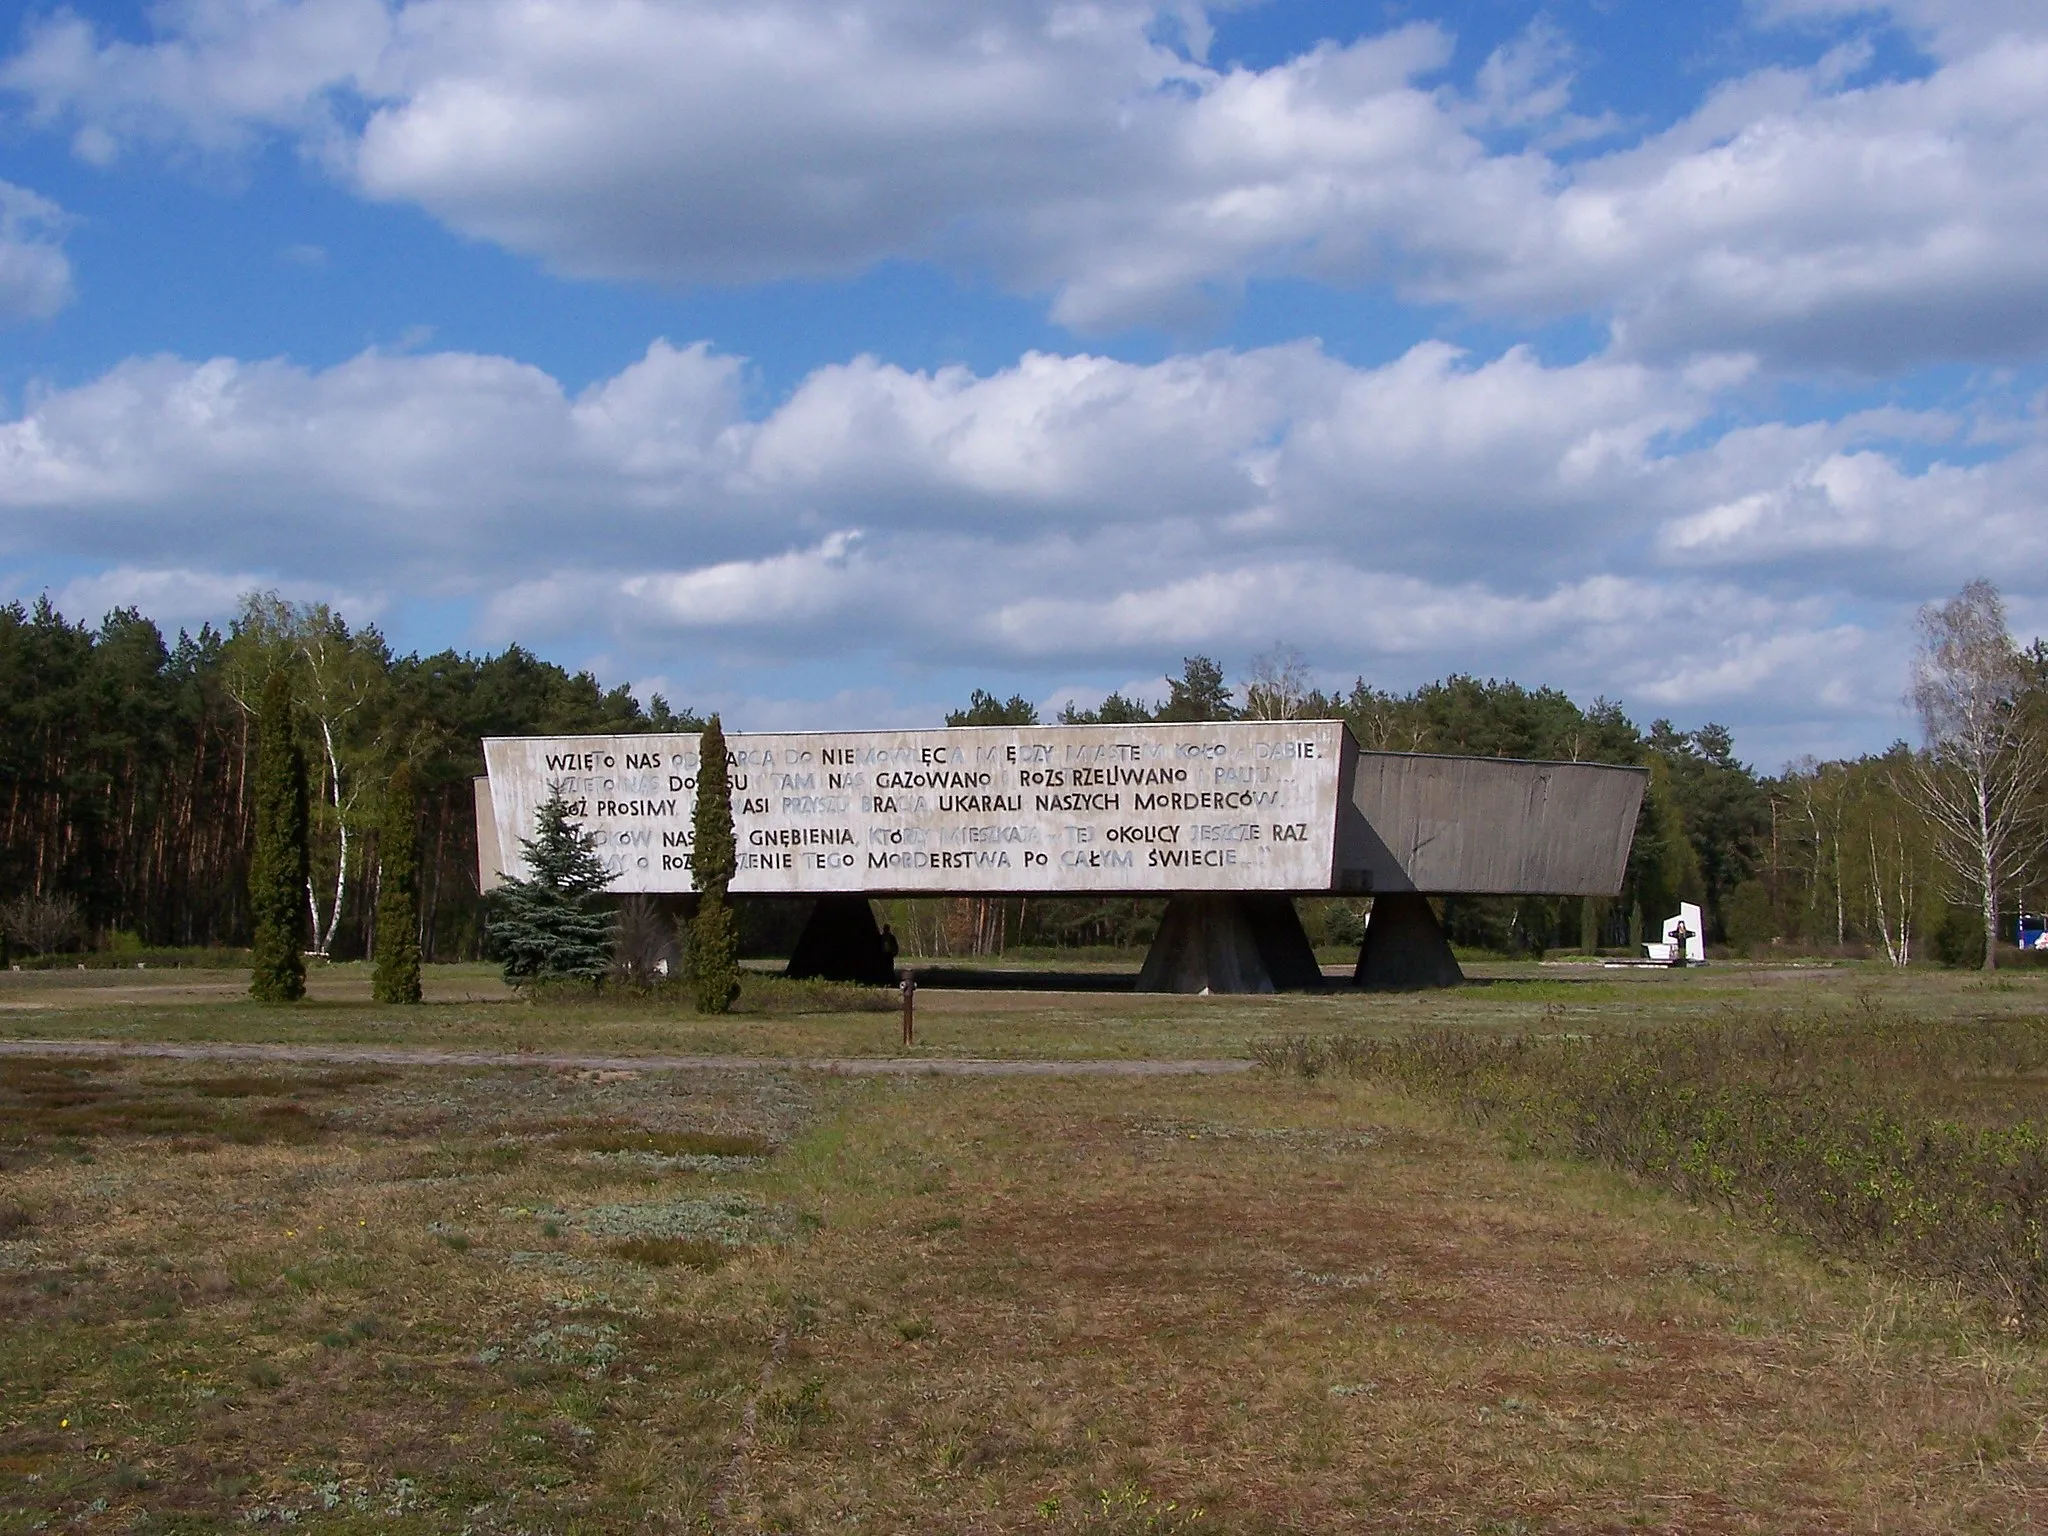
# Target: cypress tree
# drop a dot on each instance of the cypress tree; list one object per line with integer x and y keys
{"x": 714, "y": 944}
{"x": 278, "y": 867}
{"x": 550, "y": 928}
{"x": 397, "y": 978}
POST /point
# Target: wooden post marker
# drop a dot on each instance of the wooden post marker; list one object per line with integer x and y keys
{"x": 909, "y": 1010}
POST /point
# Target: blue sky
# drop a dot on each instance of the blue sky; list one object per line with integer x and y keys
{"x": 820, "y": 362}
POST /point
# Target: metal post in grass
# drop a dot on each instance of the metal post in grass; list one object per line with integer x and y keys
{"x": 909, "y": 1009}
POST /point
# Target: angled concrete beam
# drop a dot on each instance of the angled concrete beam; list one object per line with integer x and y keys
{"x": 1482, "y": 826}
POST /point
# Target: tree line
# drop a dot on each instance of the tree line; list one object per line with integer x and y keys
{"x": 1920, "y": 852}
{"x": 127, "y": 804}
{"x": 127, "y": 801}
{"x": 1700, "y": 834}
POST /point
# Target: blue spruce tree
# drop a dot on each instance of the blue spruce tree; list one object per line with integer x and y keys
{"x": 551, "y": 927}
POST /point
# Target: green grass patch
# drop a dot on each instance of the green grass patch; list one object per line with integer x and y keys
{"x": 665, "y": 1143}
{"x": 155, "y": 959}
{"x": 761, "y": 994}
{"x": 782, "y": 995}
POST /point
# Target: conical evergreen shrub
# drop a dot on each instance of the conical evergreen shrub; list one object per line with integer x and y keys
{"x": 278, "y": 866}
{"x": 550, "y": 927}
{"x": 397, "y": 977}
{"x": 714, "y": 942}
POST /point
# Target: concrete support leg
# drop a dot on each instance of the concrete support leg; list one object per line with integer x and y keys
{"x": 842, "y": 943}
{"x": 1290, "y": 958}
{"x": 1228, "y": 942}
{"x": 1405, "y": 949}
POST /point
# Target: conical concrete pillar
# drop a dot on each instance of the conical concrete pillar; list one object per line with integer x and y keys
{"x": 1230, "y": 942}
{"x": 1405, "y": 949}
{"x": 842, "y": 943}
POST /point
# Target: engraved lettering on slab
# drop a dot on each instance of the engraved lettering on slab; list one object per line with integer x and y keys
{"x": 1237, "y": 806}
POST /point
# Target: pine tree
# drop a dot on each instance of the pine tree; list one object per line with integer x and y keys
{"x": 397, "y": 977}
{"x": 1666, "y": 858}
{"x": 1199, "y": 693}
{"x": 714, "y": 944}
{"x": 550, "y": 928}
{"x": 984, "y": 708}
{"x": 278, "y": 867}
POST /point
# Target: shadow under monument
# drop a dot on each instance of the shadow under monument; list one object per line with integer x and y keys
{"x": 1239, "y": 943}
{"x": 978, "y": 978}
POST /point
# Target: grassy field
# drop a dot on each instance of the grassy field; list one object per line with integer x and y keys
{"x": 469, "y": 1007}
{"x": 432, "y": 1299}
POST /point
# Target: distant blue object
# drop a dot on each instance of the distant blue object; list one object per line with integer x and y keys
{"x": 2033, "y": 931}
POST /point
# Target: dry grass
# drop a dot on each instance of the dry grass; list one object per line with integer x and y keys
{"x": 408, "y": 1319}
{"x": 1297, "y": 1307}
{"x": 540, "y": 1301}
{"x": 71, "y": 1102}
{"x": 1902, "y": 1140}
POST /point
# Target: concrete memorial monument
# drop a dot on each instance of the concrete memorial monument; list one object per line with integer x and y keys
{"x": 1230, "y": 820}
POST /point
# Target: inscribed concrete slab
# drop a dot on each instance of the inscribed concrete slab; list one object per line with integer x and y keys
{"x": 1237, "y": 806}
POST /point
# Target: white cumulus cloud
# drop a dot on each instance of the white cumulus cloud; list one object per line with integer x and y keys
{"x": 1595, "y": 525}
{"x": 1816, "y": 216}
{"x": 35, "y": 274}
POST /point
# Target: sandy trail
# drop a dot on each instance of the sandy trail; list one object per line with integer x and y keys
{"x": 843, "y": 1066}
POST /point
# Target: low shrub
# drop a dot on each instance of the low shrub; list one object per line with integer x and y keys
{"x": 1851, "y": 1130}
{"x": 42, "y": 923}
{"x": 1958, "y": 939}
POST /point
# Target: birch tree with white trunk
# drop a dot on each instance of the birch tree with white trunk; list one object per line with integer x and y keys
{"x": 1978, "y": 779}
{"x": 1277, "y": 685}
{"x": 338, "y": 675}
{"x": 1892, "y": 840}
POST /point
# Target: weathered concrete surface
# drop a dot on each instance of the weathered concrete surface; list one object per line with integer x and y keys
{"x": 1284, "y": 947}
{"x": 1238, "y": 805}
{"x": 840, "y": 942}
{"x": 1487, "y": 826}
{"x": 840, "y": 1066}
{"x": 1288, "y": 807}
{"x": 490, "y": 859}
{"x": 1405, "y": 949}
{"x": 1245, "y": 813}
{"x": 1230, "y": 943}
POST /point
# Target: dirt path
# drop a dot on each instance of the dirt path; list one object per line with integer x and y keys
{"x": 845, "y": 1066}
